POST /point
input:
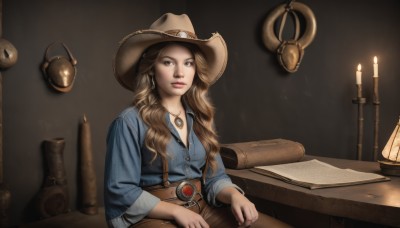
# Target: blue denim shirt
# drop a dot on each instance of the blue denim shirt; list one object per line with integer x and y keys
{"x": 128, "y": 168}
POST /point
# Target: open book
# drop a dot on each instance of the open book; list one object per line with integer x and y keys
{"x": 315, "y": 174}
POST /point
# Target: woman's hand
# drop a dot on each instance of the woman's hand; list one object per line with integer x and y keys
{"x": 189, "y": 219}
{"x": 183, "y": 216}
{"x": 244, "y": 211}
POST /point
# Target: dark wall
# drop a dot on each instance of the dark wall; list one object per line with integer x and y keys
{"x": 33, "y": 112}
{"x": 255, "y": 98}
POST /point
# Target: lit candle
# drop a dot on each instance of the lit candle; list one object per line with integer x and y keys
{"x": 358, "y": 75}
{"x": 375, "y": 101}
{"x": 375, "y": 66}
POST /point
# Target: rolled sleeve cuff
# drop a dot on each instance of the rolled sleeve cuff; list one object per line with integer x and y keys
{"x": 218, "y": 186}
{"x": 137, "y": 211}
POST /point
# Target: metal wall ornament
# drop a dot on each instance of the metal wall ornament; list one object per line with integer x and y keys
{"x": 289, "y": 52}
{"x": 8, "y": 54}
{"x": 60, "y": 71}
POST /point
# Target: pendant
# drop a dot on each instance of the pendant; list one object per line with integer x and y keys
{"x": 178, "y": 122}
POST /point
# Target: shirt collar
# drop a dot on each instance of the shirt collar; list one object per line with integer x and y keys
{"x": 188, "y": 109}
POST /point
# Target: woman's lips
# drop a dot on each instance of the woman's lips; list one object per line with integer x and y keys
{"x": 178, "y": 84}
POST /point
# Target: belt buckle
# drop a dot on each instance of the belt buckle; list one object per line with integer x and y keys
{"x": 186, "y": 191}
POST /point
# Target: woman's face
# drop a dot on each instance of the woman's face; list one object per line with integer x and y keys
{"x": 174, "y": 71}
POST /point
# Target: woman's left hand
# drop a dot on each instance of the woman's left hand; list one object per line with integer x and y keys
{"x": 244, "y": 211}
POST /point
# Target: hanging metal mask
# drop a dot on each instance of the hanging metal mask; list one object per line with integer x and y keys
{"x": 60, "y": 71}
{"x": 289, "y": 52}
{"x": 8, "y": 54}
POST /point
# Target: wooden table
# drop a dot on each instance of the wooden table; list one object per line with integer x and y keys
{"x": 375, "y": 203}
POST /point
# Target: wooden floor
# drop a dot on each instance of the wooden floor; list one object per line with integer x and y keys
{"x": 74, "y": 219}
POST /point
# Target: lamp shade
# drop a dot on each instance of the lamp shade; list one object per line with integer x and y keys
{"x": 392, "y": 149}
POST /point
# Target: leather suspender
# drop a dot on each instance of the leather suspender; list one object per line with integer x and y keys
{"x": 165, "y": 181}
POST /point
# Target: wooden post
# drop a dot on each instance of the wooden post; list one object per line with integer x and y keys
{"x": 5, "y": 194}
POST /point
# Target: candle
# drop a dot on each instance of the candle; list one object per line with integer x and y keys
{"x": 376, "y": 102}
{"x": 375, "y": 67}
{"x": 88, "y": 175}
{"x": 358, "y": 75}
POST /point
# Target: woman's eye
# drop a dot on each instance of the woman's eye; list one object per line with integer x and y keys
{"x": 189, "y": 63}
{"x": 167, "y": 62}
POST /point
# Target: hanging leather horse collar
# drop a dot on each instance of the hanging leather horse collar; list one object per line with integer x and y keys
{"x": 290, "y": 52}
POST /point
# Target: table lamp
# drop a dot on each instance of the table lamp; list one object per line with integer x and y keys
{"x": 390, "y": 165}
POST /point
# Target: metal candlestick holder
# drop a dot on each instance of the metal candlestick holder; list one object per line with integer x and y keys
{"x": 376, "y": 103}
{"x": 360, "y": 101}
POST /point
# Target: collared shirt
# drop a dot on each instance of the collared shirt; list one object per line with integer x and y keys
{"x": 128, "y": 167}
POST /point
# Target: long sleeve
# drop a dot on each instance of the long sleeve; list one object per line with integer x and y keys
{"x": 123, "y": 171}
{"x": 215, "y": 182}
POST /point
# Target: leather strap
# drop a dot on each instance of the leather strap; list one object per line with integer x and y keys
{"x": 203, "y": 178}
{"x": 182, "y": 33}
{"x": 289, "y": 9}
{"x": 165, "y": 182}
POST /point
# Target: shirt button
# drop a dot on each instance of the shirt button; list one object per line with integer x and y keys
{"x": 187, "y": 158}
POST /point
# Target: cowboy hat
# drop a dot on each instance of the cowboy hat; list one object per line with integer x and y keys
{"x": 169, "y": 27}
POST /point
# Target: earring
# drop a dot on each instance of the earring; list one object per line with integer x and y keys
{"x": 153, "y": 85}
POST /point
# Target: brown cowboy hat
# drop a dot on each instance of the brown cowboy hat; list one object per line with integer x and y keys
{"x": 169, "y": 27}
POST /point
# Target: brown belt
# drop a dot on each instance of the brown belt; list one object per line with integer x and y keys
{"x": 185, "y": 193}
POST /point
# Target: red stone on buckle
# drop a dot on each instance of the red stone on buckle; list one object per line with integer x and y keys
{"x": 186, "y": 191}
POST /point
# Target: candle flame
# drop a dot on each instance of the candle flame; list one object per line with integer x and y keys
{"x": 359, "y": 67}
{"x": 375, "y": 60}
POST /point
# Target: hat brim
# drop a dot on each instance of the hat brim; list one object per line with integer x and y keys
{"x": 133, "y": 45}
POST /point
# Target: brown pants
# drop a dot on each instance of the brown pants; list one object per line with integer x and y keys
{"x": 215, "y": 217}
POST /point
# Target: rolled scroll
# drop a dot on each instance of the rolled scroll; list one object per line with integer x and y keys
{"x": 244, "y": 155}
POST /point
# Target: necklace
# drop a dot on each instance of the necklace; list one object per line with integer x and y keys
{"x": 177, "y": 120}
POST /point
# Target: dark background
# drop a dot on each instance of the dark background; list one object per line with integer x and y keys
{"x": 255, "y": 99}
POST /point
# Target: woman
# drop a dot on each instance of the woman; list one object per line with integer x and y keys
{"x": 162, "y": 166}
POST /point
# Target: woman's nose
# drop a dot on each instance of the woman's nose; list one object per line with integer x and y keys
{"x": 178, "y": 71}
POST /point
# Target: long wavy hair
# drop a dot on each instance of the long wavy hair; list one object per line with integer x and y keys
{"x": 147, "y": 101}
